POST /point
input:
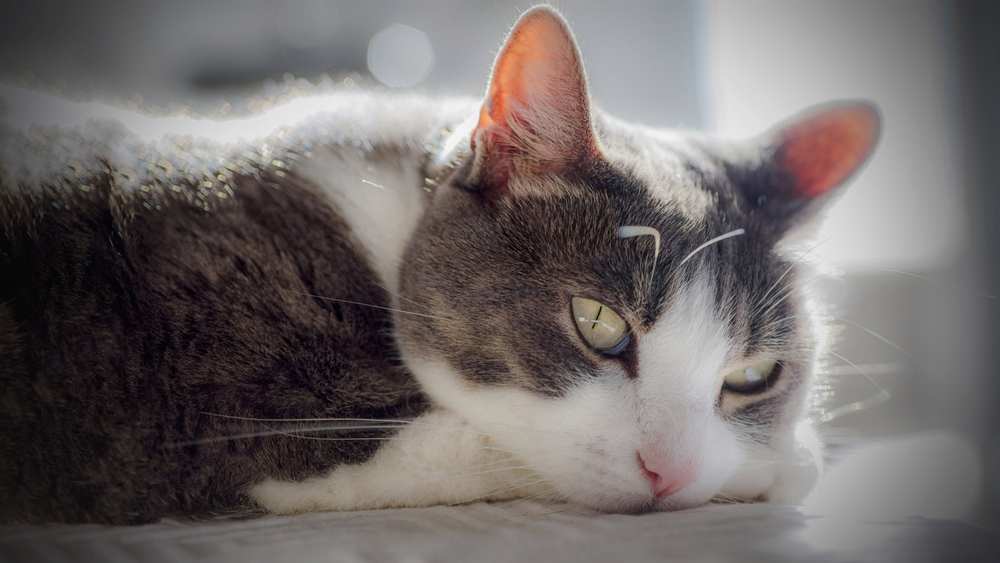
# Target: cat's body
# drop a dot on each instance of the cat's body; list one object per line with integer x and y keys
{"x": 169, "y": 308}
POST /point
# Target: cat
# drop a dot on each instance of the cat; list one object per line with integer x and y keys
{"x": 386, "y": 300}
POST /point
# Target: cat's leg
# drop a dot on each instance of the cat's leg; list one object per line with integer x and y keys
{"x": 437, "y": 459}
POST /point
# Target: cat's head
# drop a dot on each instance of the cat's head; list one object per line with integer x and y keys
{"x": 616, "y": 305}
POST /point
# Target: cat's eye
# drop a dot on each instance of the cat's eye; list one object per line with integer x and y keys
{"x": 600, "y": 326}
{"x": 750, "y": 379}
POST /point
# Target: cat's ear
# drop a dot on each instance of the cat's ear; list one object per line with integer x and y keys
{"x": 807, "y": 158}
{"x": 536, "y": 115}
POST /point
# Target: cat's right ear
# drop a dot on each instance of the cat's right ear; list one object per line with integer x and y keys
{"x": 535, "y": 119}
{"x": 802, "y": 163}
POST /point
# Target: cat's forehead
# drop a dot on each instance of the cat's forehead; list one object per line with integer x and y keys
{"x": 681, "y": 169}
{"x": 584, "y": 234}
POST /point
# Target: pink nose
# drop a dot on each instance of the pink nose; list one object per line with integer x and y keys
{"x": 666, "y": 478}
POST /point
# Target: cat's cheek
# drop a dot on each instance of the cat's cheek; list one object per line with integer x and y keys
{"x": 722, "y": 457}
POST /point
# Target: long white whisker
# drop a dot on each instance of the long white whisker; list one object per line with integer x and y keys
{"x": 791, "y": 290}
{"x": 629, "y": 231}
{"x": 705, "y": 245}
{"x": 870, "y": 369}
{"x": 799, "y": 259}
{"x": 855, "y": 366}
{"x": 877, "y": 335}
{"x": 790, "y": 374}
{"x": 335, "y": 419}
{"x": 513, "y": 486}
{"x": 875, "y": 400}
{"x": 364, "y": 304}
{"x": 387, "y": 290}
{"x": 939, "y": 282}
{"x": 530, "y": 497}
{"x": 402, "y": 422}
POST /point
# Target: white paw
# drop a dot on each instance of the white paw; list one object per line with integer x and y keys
{"x": 784, "y": 475}
{"x": 437, "y": 459}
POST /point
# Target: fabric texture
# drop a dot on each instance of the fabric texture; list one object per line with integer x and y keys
{"x": 512, "y": 531}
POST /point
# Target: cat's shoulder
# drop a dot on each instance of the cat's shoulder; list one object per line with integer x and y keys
{"x": 47, "y": 140}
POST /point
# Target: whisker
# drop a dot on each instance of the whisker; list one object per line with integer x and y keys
{"x": 390, "y": 292}
{"x": 413, "y": 422}
{"x": 517, "y": 484}
{"x": 725, "y": 499}
{"x": 873, "y": 401}
{"x": 870, "y": 369}
{"x": 766, "y": 294}
{"x": 876, "y": 335}
{"x": 789, "y": 291}
{"x": 939, "y": 282}
{"x": 855, "y": 366}
{"x": 531, "y": 497}
{"x": 550, "y": 503}
{"x": 790, "y": 374}
{"x": 335, "y": 419}
{"x": 364, "y": 304}
{"x": 720, "y": 238}
{"x": 292, "y": 434}
{"x": 630, "y": 231}
{"x": 200, "y": 441}
{"x": 705, "y": 245}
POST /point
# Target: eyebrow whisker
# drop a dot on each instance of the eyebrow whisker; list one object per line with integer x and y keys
{"x": 629, "y": 231}
{"x": 705, "y": 245}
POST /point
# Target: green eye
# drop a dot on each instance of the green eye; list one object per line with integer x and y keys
{"x": 750, "y": 379}
{"x": 600, "y": 326}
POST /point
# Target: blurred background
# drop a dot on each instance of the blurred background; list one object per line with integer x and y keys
{"x": 915, "y": 237}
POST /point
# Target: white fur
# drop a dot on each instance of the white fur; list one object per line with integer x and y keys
{"x": 787, "y": 470}
{"x": 784, "y": 473}
{"x": 581, "y": 446}
{"x": 438, "y": 459}
{"x": 382, "y": 204}
{"x": 585, "y": 443}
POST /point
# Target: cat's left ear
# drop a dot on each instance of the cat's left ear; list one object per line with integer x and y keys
{"x": 804, "y": 161}
{"x": 536, "y": 115}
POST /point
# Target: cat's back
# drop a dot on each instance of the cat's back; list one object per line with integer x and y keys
{"x": 153, "y": 288}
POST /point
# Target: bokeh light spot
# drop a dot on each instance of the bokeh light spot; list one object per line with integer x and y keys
{"x": 400, "y": 56}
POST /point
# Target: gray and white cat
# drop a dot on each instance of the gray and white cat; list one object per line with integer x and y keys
{"x": 364, "y": 300}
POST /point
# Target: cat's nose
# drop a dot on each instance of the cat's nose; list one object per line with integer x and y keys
{"x": 666, "y": 477}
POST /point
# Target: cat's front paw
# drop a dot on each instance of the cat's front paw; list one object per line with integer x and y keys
{"x": 436, "y": 459}
{"x": 785, "y": 474}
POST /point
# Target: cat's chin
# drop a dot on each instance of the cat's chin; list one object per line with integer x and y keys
{"x": 639, "y": 503}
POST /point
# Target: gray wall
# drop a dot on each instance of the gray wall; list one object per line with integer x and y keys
{"x": 640, "y": 53}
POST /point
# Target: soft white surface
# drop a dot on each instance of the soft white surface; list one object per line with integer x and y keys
{"x": 516, "y": 531}
{"x": 932, "y": 474}
{"x": 862, "y": 513}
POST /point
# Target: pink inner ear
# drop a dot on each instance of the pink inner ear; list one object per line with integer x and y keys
{"x": 822, "y": 152}
{"x": 536, "y": 117}
{"x": 537, "y": 67}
